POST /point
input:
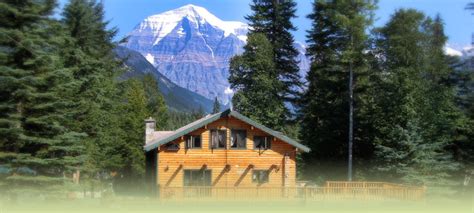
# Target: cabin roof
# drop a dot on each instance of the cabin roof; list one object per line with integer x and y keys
{"x": 161, "y": 138}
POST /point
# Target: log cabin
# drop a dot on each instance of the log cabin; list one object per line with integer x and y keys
{"x": 221, "y": 150}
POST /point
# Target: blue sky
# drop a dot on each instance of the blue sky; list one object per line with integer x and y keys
{"x": 126, "y": 14}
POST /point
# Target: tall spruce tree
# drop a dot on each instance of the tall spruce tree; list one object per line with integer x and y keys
{"x": 216, "y": 107}
{"x": 140, "y": 99}
{"x": 156, "y": 103}
{"x": 97, "y": 97}
{"x": 465, "y": 97}
{"x": 135, "y": 111}
{"x": 256, "y": 86}
{"x": 336, "y": 44}
{"x": 416, "y": 104}
{"x": 273, "y": 18}
{"x": 37, "y": 148}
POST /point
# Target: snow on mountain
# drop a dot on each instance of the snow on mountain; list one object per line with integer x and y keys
{"x": 452, "y": 52}
{"x": 468, "y": 51}
{"x": 462, "y": 51}
{"x": 163, "y": 24}
{"x": 193, "y": 48}
{"x": 304, "y": 62}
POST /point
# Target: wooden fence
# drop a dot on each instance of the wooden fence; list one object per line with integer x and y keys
{"x": 331, "y": 191}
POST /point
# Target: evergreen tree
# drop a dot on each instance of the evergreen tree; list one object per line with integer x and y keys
{"x": 97, "y": 95}
{"x": 216, "y": 107}
{"x": 416, "y": 104}
{"x": 135, "y": 111}
{"x": 197, "y": 114}
{"x": 37, "y": 148}
{"x": 463, "y": 79}
{"x": 141, "y": 99}
{"x": 273, "y": 18}
{"x": 156, "y": 103}
{"x": 179, "y": 119}
{"x": 336, "y": 41}
{"x": 256, "y": 86}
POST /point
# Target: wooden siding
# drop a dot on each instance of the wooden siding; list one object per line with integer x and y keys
{"x": 242, "y": 162}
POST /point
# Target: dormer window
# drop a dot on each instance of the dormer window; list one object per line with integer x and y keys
{"x": 172, "y": 147}
{"x": 193, "y": 142}
{"x": 218, "y": 139}
{"x": 238, "y": 139}
{"x": 262, "y": 142}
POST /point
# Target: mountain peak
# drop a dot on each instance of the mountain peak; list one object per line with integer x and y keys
{"x": 190, "y": 7}
{"x": 191, "y": 10}
{"x": 162, "y": 24}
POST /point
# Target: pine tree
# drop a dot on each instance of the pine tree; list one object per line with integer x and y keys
{"x": 273, "y": 18}
{"x": 178, "y": 119}
{"x": 216, "y": 107}
{"x": 464, "y": 81}
{"x": 156, "y": 103}
{"x": 141, "y": 99}
{"x": 257, "y": 88}
{"x": 135, "y": 111}
{"x": 37, "y": 148}
{"x": 336, "y": 41}
{"x": 97, "y": 94}
{"x": 417, "y": 113}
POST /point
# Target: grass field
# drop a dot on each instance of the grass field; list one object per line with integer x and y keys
{"x": 135, "y": 204}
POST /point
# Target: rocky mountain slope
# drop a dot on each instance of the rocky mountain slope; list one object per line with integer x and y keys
{"x": 176, "y": 97}
{"x": 192, "y": 48}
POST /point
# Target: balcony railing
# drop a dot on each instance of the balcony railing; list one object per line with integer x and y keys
{"x": 331, "y": 191}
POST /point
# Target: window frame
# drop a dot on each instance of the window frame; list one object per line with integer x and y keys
{"x": 245, "y": 138}
{"x": 203, "y": 177}
{"x": 260, "y": 171}
{"x": 225, "y": 139}
{"x": 269, "y": 140}
{"x": 192, "y": 137}
{"x": 172, "y": 146}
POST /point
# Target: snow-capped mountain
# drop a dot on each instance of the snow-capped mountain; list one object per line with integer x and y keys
{"x": 452, "y": 52}
{"x": 192, "y": 48}
{"x": 461, "y": 51}
{"x": 304, "y": 62}
{"x": 176, "y": 97}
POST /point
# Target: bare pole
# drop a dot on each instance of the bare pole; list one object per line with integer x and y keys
{"x": 351, "y": 112}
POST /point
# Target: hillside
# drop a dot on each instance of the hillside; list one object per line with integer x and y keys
{"x": 176, "y": 97}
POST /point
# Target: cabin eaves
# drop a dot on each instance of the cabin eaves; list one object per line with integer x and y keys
{"x": 171, "y": 136}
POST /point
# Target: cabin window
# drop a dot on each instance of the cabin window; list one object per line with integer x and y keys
{"x": 193, "y": 142}
{"x": 260, "y": 176}
{"x": 172, "y": 147}
{"x": 198, "y": 177}
{"x": 218, "y": 139}
{"x": 238, "y": 139}
{"x": 262, "y": 142}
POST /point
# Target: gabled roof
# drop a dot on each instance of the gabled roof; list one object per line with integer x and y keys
{"x": 214, "y": 117}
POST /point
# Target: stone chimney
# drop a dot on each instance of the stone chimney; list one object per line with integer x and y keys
{"x": 150, "y": 125}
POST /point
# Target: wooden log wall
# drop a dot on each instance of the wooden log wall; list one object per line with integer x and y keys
{"x": 229, "y": 167}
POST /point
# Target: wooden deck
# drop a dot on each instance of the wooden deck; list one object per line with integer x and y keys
{"x": 331, "y": 191}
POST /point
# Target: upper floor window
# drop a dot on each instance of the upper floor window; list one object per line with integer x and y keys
{"x": 172, "y": 146}
{"x": 262, "y": 142}
{"x": 238, "y": 139}
{"x": 193, "y": 141}
{"x": 218, "y": 139}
